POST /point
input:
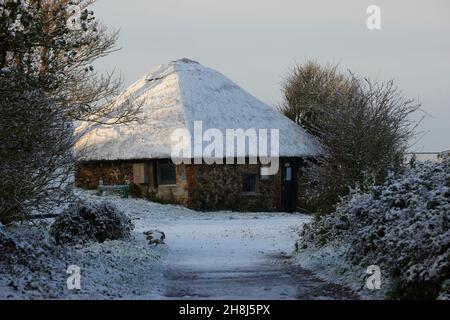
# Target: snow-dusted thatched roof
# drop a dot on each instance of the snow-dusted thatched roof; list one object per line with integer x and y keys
{"x": 176, "y": 95}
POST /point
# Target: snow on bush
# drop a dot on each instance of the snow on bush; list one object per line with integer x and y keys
{"x": 86, "y": 222}
{"x": 25, "y": 257}
{"x": 403, "y": 226}
{"x": 12, "y": 250}
{"x": 7, "y": 245}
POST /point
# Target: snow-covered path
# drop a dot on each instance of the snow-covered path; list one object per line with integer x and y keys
{"x": 238, "y": 256}
{"x": 225, "y": 255}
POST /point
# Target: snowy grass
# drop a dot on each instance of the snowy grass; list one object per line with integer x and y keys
{"x": 329, "y": 264}
{"x": 110, "y": 270}
{"x": 119, "y": 269}
{"x": 134, "y": 269}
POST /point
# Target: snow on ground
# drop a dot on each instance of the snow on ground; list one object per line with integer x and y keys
{"x": 110, "y": 270}
{"x": 328, "y": 263}
{"x": 240, "y": 257}
{"x": 214, "y": 255}
{"x": 229, "y": 255}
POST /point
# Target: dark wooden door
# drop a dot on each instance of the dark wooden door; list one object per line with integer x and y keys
{"x": 289, "y": 187}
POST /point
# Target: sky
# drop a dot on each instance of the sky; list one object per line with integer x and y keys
{"x": 255, "y": 42}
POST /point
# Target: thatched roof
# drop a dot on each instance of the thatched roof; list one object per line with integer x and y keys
{"x": 176, "y": 95}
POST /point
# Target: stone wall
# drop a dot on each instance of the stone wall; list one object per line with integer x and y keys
{"x": 88, "y": 175}
{"x": 219, "y": 187}
{"x": 177, "y": 193}
{"x": 201, "y": 187}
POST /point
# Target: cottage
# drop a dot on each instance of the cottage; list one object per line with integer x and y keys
{"x": 181, "y": 95}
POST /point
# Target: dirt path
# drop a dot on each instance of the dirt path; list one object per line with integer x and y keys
{"x": 238, "y": 257}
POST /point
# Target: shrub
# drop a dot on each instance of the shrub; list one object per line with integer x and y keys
{"x": 403, "y": 226}
{"x": 83, "y": 222}
{"x": 353, "y": 118}
{"x": 7, "y": 245}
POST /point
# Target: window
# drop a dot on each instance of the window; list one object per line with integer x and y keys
{"x": 167, "y": 173}
{"x": 288, "y": 174}
{"x": 249, "y": 182}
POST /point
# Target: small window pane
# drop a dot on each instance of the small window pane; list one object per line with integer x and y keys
{"x": 249, "y": 183}
{"x": 167, "y": 173}
{"x": 288, "y": 174}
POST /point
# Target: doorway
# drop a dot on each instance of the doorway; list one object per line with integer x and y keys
{"x": 289, "y": 187}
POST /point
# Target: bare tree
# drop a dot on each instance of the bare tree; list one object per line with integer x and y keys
{"x": 309, "y": 87}
{"x": 48, "y": 83}
{"x": 35, "y": 149}
{"x": 364, "y": 126}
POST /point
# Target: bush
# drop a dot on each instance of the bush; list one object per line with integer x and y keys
{"x": 403, "y": 226}
{"x": 21, "y": 253}
{"x": 83, "y": 222}
{"x": 353, "y": 118}
{"x": 7, "y": 245}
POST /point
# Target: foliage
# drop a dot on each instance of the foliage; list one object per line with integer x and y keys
{"x": 35, "y": 148}
{"x": 309, "y": 87}
{"x": 363, "y": 125}
{"x": 47, "y": 82}
{"x": 82, "y": 223}
{"x": 403, "y": 226}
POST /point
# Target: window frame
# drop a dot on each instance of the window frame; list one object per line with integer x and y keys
{"x": 161, "y": 181}
{"x": 255, "y": 183}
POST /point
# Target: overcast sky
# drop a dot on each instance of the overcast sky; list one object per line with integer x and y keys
{"x": 254, "y": 42}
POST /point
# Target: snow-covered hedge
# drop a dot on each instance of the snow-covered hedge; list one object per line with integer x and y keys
{"x": 30, "y": 265}
{"x": 403, "y": 226}
{"x": 7, "y": 245}
{"x": 83, "y": 222}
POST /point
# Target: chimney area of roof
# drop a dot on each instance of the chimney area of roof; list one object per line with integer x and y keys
{"x": 186, "y": 60}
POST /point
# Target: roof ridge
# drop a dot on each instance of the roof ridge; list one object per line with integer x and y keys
{"x": 181, "y": 102}
{"x": 186, "y": 60}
